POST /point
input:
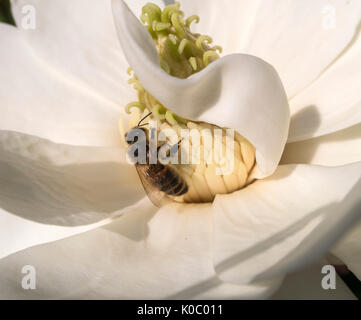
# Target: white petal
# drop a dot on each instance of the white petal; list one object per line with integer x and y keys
{"x": 36, "y": 100}
{"x": 337, "y": 149}
{"x": 332, "y": 102}
{"x": 59, "y": 184}
{"x": 144, "y": 254}
{"x": 298, "y": 39}
{"x": 238, "y": 91}
{"x": 301, "y": 40}
{"x": 79, "y": 40}
{"x": 306, "y": 285}
{"x": 348, "y": 249}
{"x": 281, "y": 223}
{"x": 17, "y": 233}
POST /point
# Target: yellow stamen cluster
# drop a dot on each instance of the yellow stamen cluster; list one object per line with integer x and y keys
{"x": 182, "y": 53}
{"x": 147, "y": 101}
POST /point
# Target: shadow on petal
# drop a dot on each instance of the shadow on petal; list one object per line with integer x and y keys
{"x": 311, "y": 237}
{"x": 36, "y": 187}
{"x": 134, "y": 223}
{"x": 309, "y": 116}
{"x": 331, "y": 228}
{"x": 339, "y": 148}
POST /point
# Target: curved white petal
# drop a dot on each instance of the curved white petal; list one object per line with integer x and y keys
{"x": 63, "y": 185}
{"x": 332, "y": 102}
{"x": 348, "y": 249}
{"x": 272, "y": 31}
{"x": 36, "y": 100}
{"x": 17, "y": 233}
{"x": 78, "y": 39}
{"x": 306, "y": 285}
{"x": 281, "y": 223}
{"x": 238, "y": 91}
{"x": 144, "y": 254}
{"x": 336, "y": 149}
{"x": 299, "y": 39}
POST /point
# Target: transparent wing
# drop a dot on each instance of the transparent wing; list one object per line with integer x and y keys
{"x": 157, "y": 197}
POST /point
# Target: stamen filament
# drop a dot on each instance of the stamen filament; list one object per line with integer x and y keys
{"x": 168, "y": 11}
{"x": 173, "y": 39}
{"x": 160, "y": 26}
{"x": 182, "y": 45}
{"x": 217, "y": 48}
{"x": 209, "y": 56}
{"x": 193, "y": 63}
{"x": 169, "y": 116}
{"x": 177, "y": 25}
{"x": 191, "y": 19}
{"x": 136, "y": 104}
{"x": 201, "y": 39}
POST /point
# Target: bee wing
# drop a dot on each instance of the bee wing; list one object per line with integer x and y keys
{"x": 157, "y": 197}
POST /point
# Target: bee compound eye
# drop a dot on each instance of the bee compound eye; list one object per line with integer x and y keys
{"x": 131, "y": 136}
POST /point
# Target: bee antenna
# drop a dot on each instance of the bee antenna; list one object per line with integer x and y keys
{"x": 139, "y": 123}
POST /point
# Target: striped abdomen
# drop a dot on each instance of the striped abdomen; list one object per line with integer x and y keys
{"x": 166, "y": 179}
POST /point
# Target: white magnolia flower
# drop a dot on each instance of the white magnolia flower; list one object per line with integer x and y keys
{"x": 63, "y": 173}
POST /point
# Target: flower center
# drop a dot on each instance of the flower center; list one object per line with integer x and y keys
{"x": 183, "y": 53}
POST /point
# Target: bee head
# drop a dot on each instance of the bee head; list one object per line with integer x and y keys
{"x": 136, "y": 134}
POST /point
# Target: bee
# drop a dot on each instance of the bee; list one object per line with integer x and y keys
{"x": 159, "y": 181}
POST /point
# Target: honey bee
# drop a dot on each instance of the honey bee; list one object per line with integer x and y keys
{"x": 159, "y": 181}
